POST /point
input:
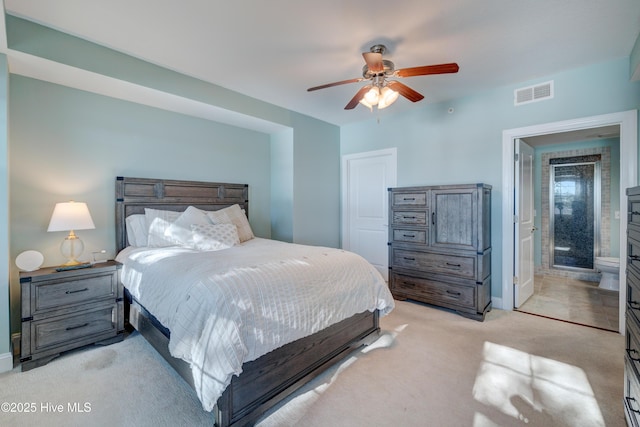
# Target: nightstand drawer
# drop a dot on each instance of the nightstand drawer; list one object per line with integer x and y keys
{"x": 53, "y": 294}
{"x": 66, "y": 330}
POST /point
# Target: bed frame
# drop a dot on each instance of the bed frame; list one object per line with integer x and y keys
{"x": 269, "y": 379}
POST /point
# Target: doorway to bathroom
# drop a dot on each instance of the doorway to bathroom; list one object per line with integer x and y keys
{"x": 625, "y": 123}
{"x": 575, "y": 220}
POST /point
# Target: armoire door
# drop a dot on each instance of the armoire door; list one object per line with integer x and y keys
{"x": 454, "y": 218}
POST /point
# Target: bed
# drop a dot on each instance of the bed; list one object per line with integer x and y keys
{"x": 264, "y": 378}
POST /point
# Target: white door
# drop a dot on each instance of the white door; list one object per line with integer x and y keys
{"x": 366, "y": 178}
{"x": 524, "y": 226}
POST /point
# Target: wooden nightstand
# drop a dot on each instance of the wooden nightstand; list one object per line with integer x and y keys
{"x": 69, "y": 309}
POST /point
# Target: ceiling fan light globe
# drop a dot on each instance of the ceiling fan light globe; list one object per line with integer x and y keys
{"x": 366, "y": 104}
{"x": 387, "y": 97}
{"x": 372, "y": 95}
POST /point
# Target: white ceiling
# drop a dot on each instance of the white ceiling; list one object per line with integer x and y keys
{"x": 274, "y": 50}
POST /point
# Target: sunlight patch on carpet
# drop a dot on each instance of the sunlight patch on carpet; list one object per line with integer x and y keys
{"x": 522, "y": 385}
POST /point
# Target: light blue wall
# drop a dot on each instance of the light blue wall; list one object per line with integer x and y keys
{"x": 5, "y": 341}
{"x": 614, "y": 188}
{"x": 435, "y": 147}
{"x": 282, "y": 186}
{"x": 69, "y": 144}
{"x": 316, "y": 222}
{"x": 634, "y": 66}
{"x": 317, "y": 153}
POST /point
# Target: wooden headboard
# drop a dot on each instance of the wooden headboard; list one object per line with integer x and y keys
{"x": 135, "y": 194}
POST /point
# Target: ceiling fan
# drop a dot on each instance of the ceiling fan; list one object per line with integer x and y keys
{"x": 381, "y": 91}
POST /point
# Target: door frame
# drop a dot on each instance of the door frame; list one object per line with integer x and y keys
{"x": 628, "y": 122}
{"x": 344, "y": 178}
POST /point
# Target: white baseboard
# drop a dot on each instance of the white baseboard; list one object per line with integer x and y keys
{"x": 6, "y": 362}
{"x": 496, "y": 303}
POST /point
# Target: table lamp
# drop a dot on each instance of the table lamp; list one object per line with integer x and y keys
{"x": 70, "y": 216}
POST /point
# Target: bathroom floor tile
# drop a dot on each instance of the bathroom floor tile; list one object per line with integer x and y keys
{"x": 574, "y": 301}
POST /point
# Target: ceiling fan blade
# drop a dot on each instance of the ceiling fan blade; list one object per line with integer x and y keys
{"x": 405, "y": 91}
{"x": 343, "y": 82}
{"x": 374, "y": 61}
{"x": 354, "y": 101}
{"x": 427, "y": 69}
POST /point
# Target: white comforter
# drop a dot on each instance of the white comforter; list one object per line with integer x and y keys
{"x": 232, "y": 306}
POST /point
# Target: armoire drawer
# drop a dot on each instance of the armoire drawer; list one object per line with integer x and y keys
{"x": 631, "y": 395}
{"x": 418, "y": 199}
{"x": 633, "y": 214}
{"x": 463, "y": 266}
{"x": 433, "y": 291}
{"x": 409, "y": 218}
{"x": 407, "y": 235}
{"x": 632, "y": 344}
{"x": 633, "y": 294}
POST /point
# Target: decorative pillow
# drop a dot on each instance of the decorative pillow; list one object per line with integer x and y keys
{"x": 214, "y": 237}
{"x": 137, "y": 230}
{"x": 233, "y": 215}
{"x": 179, "y": 232}
{"x": 157, "y": 223}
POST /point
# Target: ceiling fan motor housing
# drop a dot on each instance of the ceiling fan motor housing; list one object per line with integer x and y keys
{"x": 388, "y": 70}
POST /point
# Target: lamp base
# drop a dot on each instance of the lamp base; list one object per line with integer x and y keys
{"x": 71, "y": 248}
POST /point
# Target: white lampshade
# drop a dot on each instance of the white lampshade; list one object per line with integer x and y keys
{"x": 71, "y": 216}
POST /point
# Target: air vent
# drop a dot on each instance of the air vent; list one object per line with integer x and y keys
{"x": 535, "y": 93}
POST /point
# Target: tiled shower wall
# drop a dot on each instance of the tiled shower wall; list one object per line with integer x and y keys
{"x": 605, "y": 200}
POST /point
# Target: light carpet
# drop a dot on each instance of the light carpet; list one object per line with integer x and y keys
{"x": 430, "y": 367}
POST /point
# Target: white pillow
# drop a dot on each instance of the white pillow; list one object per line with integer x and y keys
{"x": 179, "y": 232}
{"x": 157, "y": 223}
{"x": 214, "y": 237}
{"x": 137, "y": 230}
{"x": 233, "y": 215}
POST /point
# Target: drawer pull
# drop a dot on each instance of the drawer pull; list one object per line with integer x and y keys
{"x": 409, "y": 258}
{"x": 70, "y": 328}
{"x": 408, "y": 199}
{"x": 408, "y": 217}
{"x": 635, "y": 213}
{"x": 632, "y": 351}
{"x": 634, "y": 258}
{"x": 453, "y": 293}
{"x": 433, "y": 218}
{"x": 629, "y": 399}
{"x": 634, "y": 305}
{"x": 76, "y": 291}
{"x": 453, "y": 265}
{"x": 409, "y": 235}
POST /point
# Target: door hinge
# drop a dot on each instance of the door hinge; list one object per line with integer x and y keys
{"x": 515, "y": 219}
{"x": 516, "y": 156}
{"x": 515, "y": 280}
